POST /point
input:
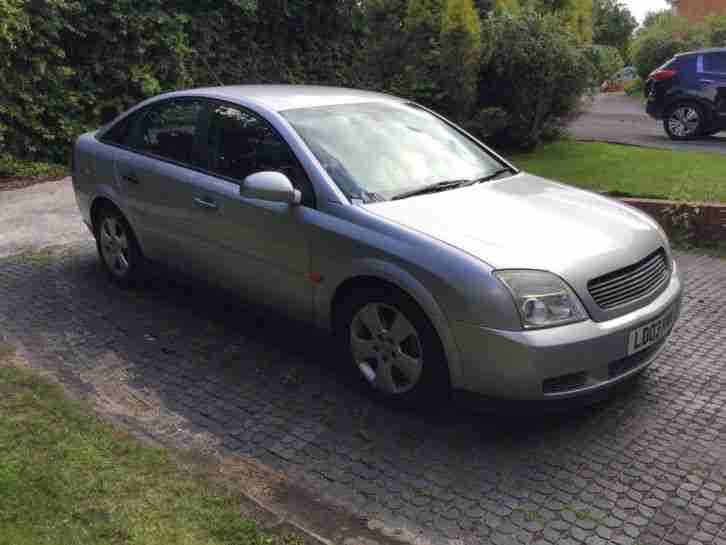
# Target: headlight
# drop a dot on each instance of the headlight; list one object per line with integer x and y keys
{"x": 542, "y": 299}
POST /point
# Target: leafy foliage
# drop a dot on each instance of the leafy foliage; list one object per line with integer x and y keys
{"x": 605, "y": 60}
{"x": 534, "y": 72}
{"x": 69, "y": 65}
{"x": 11, "y": 167}
{"x": 461, "y": 49}
{"x": 665, "y": 36}
{"x": 613, "y": 25}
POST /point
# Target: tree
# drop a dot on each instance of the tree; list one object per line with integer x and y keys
{"x": 655, "y": 17}
{"x": 576, "y": 15}
{"x": 461, "y": 49}
{"x": 613, "y": 25}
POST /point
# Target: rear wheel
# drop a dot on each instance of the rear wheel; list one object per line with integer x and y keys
{"x": 118, "y": 249}
{"x": 394, "y": 347}
{"x": 684, "y": 122}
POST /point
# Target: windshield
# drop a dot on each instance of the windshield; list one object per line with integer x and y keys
{"x": 375, "y": 151}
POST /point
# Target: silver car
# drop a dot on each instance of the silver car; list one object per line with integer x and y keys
{"x": 439, "y": 264}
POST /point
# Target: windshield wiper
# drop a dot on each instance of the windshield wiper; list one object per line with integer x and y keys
{"x": 494, "y": 175}
{"x": 431, "y": 188}
{"x": 451, "y": 184}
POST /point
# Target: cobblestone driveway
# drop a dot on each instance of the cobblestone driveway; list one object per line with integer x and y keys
{"x": 646, "y": 467}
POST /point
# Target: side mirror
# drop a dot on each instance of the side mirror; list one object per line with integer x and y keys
{"x": 270, "y": 186}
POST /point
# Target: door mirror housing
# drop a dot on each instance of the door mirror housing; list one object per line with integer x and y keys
{"x": 271, "y": 187}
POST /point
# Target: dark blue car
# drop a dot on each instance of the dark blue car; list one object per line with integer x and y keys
{"x": 689, "y": 94}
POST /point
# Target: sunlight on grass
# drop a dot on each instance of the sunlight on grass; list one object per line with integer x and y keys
{"x": 630, "y": 170}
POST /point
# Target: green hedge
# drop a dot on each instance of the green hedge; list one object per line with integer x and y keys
{"x": 70, "y": 65}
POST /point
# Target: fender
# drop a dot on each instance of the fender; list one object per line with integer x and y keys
{"x": 323, "y": 299}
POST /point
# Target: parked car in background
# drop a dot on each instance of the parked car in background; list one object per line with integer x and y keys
{"x": 688, "y": 93}
{"x": 620, "y": 81}
{"x": 438, "y": 263}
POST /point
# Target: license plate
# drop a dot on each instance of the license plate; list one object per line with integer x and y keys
{"x": 649, "y": 334}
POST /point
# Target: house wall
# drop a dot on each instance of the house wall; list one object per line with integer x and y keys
{"x": 698, "y": 9}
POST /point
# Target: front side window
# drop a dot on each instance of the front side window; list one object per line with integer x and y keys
{"x": 376, "y": 151}
{"x": 168, "y": 130}
{"x": 241, "y": 143}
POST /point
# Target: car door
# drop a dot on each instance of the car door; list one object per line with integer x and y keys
{"x": 712, "y": 77}
{"x": 261, "y": 247}
{"x": 156, "y": 176}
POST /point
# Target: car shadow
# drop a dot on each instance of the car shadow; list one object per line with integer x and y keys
{"x": 196, "y": 366}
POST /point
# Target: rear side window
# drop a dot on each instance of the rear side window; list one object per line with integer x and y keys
{"x": 120, "y": 134}
{"x": 714, "y": 62}
{"x": 168, "y": 130}
{"x": 686, "y": 66}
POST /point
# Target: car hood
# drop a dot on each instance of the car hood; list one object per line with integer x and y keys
{"x": 529, "y": 222}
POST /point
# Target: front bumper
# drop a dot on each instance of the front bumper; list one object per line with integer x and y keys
{"x": 559, "y": 362}
{"x": 654, "y": 110}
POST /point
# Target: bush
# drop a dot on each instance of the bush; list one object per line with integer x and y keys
{"x": 663, "y": 38}
{"x": 533, "y": 71}
{"x": 65, "y": 65}
{"x": 655, "y": 50}
{"x": 634, "y": 88}
{"x": 460, "y": 56}
{"x": 11, "y": 167}
{"x": 605, "y": 61}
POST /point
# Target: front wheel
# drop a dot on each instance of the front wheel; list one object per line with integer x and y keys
{"x": 684, "y": 122}
{"x": 394, "y": 347}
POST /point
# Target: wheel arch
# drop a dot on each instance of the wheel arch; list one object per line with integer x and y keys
{"x": 687, "y": 100}
{"x": 101, "y": 201}
{"x": 379, "y": 272}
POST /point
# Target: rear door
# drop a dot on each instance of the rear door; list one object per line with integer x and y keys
{"x": 156, "y": 176}
{"x": 712, "y": 76}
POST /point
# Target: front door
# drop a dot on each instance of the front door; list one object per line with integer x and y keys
{"x": 261, "y": 247}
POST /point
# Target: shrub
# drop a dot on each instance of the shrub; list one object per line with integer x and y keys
{"x": 665, "y": 36}
{"x": 655, "y": 50}
{"x": 460, "y": 59}
{"x": 66, "y": 65}
{"x": 634, "y": 88}
{"x": 533, "y": 71}
{"x": 605, "y": 61}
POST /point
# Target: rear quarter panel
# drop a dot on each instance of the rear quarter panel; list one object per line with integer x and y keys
{"x": 93, "y": 174}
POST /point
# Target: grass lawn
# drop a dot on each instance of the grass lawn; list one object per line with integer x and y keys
{"x": 630, "y": 170}
{"x": 66, "y": 477}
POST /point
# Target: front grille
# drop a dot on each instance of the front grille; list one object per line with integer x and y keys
{"x": 630, "y": 283}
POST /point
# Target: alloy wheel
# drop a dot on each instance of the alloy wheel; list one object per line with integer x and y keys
{"x": 115, "y": 246}
{"x": 684, "y": 121}
{"x": 386, "y": 348}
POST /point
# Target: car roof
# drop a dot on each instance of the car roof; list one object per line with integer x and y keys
{"x": 702, "y": 51}
{"x": 290, "y": 97}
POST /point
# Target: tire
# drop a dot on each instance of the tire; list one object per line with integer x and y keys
{"x": 684, "y": 121}
{"x": 405, "y": 362}
{"x": 118, "y": 249}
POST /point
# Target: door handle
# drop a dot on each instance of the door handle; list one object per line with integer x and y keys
{"x": 131, "y": 178}
{"x": 203, "y": 203}
{"x": 708, "y": 81}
